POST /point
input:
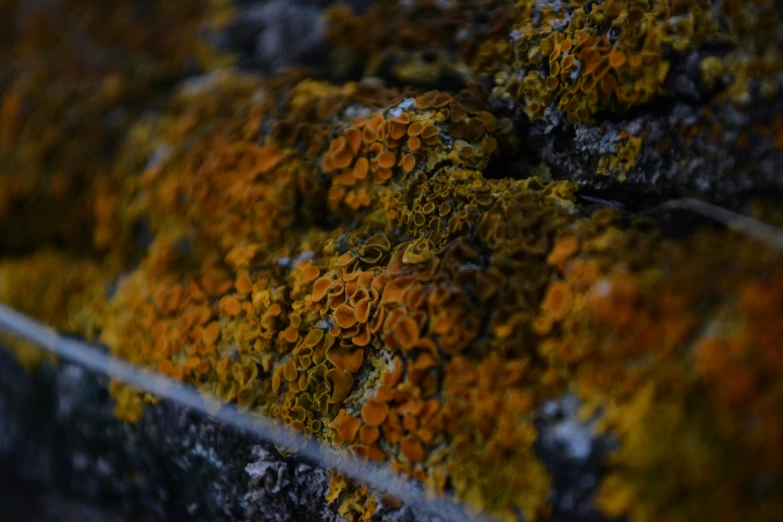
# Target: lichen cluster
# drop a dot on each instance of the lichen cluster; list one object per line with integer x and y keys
{"x": 616, "y": 55}
{"x": 584, "y": 56}
{"x": 338, "y": 258}
{"x": 343, "y": 333}
{"x": 74, "y": 76}
{"x": 581, "y": 59}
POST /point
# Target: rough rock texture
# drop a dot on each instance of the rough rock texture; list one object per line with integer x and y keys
{"x": 58, "y": 434}
{"x": 687, "y": 165}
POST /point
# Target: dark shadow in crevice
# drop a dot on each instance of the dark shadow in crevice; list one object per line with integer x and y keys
{"x": 517, "y": 166}
{"x": 448, "y": 80}
{"x": 657, "y": 107}
{"x": 673, "y": 223}
{"x": 33, "y": 503}
{"x": 519, "y": 163}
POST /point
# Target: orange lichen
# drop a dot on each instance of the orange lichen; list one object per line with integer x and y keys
{"x": 324, "y": 249}
{"x": 406, "y": 333}
{"x": 290, "y": 334}
{"x": 348, "y": 358}
{"x": 321, "y": 287}
{"x": 630, "y": 40}
{"x": 268, "y": 158}
{"x": 342, "y": 383}
{"x": 344, "y": 316}
{"x": 563, "y": 249}
{"x": 412, "y": 449}
{"x": 408, "y": 162}
{"x": 346, "y": 426}
{"x": 386, "y": 159}
{"x": 374, "y": 413}
{"x": 558, "y": 300}
{"x": 617, "y": 59}
{"x": 369, "y": 435}
{"x": 61, "y": 165}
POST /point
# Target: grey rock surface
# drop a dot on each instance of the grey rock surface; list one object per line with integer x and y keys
{"x": 60, "y": 442}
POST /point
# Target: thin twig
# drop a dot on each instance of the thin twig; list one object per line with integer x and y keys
{"x": 741, "y": 223}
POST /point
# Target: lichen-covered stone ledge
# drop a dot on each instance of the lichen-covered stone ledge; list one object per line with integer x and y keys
{"x": 59, "y": 439}
{"x": 393, "y": 269}
{"x": 334, "y": 257}
{"x": 61, "y": 444}
{"x": 651, "y": 96}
